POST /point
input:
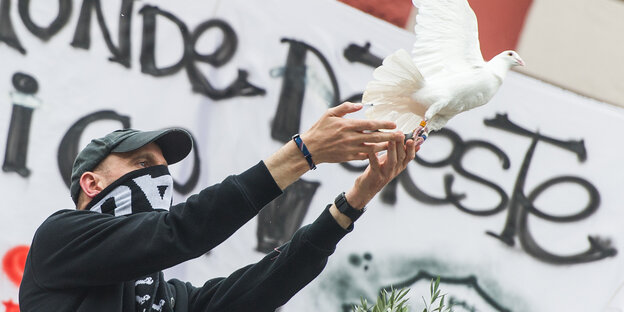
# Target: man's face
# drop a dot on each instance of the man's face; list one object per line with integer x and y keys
{"x": 115, "y": 165}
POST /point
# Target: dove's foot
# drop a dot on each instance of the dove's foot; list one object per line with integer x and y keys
{"x": 421, "y": 132}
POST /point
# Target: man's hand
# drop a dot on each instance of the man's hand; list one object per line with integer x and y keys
{"x": 380, "y": 171}
{"x": 334, "y": 139}
{"x": 331, "y": 139}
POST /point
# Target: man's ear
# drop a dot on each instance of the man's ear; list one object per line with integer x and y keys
{"x": 91, "y": 183}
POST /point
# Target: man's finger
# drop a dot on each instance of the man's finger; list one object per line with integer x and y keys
{"x": 392, "y": 155}
{"x": 371, "y": 148}
{"x": 376, "y": 147}
{"x": 370, "y": 125}
{"x": 375, "y": 137}
{"x": 400, "y": 149}
{"x": 419, "y": 142}
{"x": 373, "y": 161}
{"x": 360, "y": 156}
{"x": 366, "y": 148}
{"x": 344, "y": 108}
{"x": 410, "y": 147}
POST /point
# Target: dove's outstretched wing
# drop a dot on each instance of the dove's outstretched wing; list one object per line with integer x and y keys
{"x": 447, "y": 37}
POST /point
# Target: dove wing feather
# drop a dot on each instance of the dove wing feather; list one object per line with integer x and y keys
{"x": 447, "y": 37}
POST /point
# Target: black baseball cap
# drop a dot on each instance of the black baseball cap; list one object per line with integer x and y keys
{"x": 175, "y": 144}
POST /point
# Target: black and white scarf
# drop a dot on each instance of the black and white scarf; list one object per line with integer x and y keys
{"x": 142, "y": 190}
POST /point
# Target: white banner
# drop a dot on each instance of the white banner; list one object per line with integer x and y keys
{"x": 536, "y": 168}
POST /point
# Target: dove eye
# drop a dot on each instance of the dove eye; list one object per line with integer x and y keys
{"x": 510, "y": 54}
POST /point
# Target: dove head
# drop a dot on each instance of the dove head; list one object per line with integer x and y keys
{"x": 511, "y": 58}
{"x": 504, "y": 61}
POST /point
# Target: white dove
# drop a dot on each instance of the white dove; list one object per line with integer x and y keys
{"x": 445, "y": 75}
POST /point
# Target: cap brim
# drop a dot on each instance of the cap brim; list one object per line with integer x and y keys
{"x": 175, "y": 143}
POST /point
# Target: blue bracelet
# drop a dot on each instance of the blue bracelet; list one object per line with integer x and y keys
{"x": 302, "y": 147}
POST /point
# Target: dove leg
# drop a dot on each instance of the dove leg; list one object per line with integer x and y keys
{"x": 421, "y": 131}
{"x": 414, "y": 134}
{"x": 424, "y": 133}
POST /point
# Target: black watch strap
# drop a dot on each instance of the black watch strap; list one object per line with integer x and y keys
{"x": 346, "y": 209}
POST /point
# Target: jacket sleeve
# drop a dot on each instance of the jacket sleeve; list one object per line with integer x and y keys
{"x": 270, "y": 283}
{"x": 82, "y": 248}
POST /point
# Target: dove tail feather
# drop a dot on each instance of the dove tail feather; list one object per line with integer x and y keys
{"x": 396, "y": 80}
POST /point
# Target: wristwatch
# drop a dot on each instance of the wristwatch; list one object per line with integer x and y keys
{"x": 346, "y": 209}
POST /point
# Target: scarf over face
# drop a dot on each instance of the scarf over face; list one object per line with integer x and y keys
{"x": 140, "y": 191}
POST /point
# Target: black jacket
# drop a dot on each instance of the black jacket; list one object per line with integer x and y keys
{"x": 88, "y": 261}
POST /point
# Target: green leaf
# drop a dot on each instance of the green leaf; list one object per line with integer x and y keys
{"x": 396, "y": 300}
{"x": 435, "y": 296}
{"x": 402, "y": 294}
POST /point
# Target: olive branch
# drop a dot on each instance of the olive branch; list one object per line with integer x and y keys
{"x": 395, "y": 301}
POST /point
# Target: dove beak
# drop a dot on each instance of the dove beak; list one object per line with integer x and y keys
{"x": 519, "y": 62}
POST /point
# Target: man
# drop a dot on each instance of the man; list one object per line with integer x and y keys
{"x": 107, "y": 255}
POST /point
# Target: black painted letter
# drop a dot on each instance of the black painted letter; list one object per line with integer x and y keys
{"x": 68, "y": 149}
{"x": 45, "y": 33}
{"x": 24, "y": 103}
{"x": 7, "y": 33}
{"x": 82, "y": 37}
{"x": 148, "y": 46}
